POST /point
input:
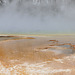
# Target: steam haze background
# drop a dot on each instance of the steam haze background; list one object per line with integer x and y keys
{"x": 37, "y": 16}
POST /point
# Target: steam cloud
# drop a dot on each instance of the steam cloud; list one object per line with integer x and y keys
{"x": 37, "y": 16}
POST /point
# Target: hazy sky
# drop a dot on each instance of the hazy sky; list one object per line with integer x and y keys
{"x": 41, "y": 18}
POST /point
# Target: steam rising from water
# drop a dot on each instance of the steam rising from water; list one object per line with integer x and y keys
{"x": 37, "y": 16}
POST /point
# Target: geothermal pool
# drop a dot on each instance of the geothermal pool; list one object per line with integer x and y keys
{"x": 37, "y": 55}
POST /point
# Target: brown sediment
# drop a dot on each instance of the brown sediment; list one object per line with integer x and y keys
{"x": 44, "y": 48}
{"x": 7, "y": 36}
{"x": 23, "y": 38}
{"x": 10, "y": 38}
{"x": 73, "y": 46}
{"x": 53, "y": 40}
{"x": 56, "y": 43}
{"x": 29, "y": 38}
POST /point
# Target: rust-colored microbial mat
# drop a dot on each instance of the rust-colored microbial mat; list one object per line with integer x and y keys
{"x": 43, "y": 55}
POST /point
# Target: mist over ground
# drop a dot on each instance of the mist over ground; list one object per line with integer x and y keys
{"x": 37, "y": 16}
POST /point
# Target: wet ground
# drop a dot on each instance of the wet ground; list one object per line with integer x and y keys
{"x": 42, "y": 55}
